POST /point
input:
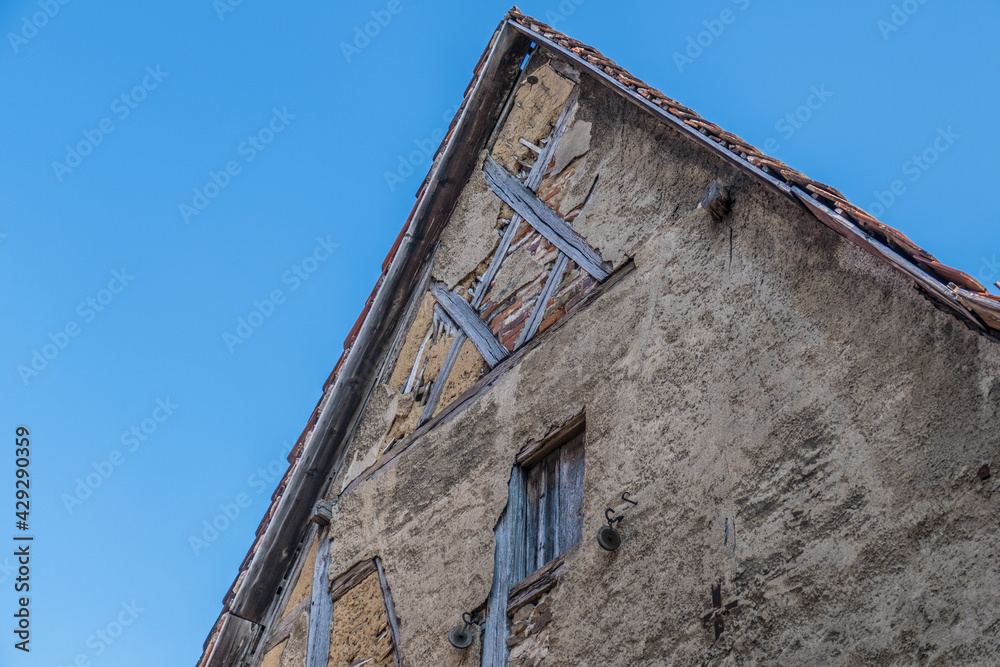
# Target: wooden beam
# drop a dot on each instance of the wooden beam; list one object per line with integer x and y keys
{"x": 322, "y": 513}
{"x": 348, "y": 580}
{"x": 534, "y": 452}
{"x": 442, "y": 377}
{"x": 541, "y": 166}
{"x": 283, "y": 628}
{"x": 535, "y": 585}
{"x": 237, "y": 642}
{"x": 320, "y": 607}
{"x": 468, "y": 320}
{"x": 508, "y": 568}
{"x": 498, "y": 256}
{"x": 546, "y": 221}
{"x": 555, "y": 277}
{"x": 390, "y": 611}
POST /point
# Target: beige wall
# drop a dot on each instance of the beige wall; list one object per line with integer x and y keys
{"x": 761, "y": 374}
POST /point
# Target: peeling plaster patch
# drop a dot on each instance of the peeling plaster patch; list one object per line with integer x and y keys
{"x": 574, "y": 142}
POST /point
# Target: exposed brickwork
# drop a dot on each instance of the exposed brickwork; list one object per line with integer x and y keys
{"x": 575, "y": 286}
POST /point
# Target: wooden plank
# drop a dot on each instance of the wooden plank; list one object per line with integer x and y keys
{"x": 485, "y": 383}
{"x": 320, "y": 607}
{"x": 553, "y": 517}
{"x": 468, "y": 320}
{"x": 508, "y": 562}
{"x": 254, "y": 592}
{"x": 534, "y": 452}
{"x": 535, "y": 585}
{"x": 546, "y": 221}
{"x": 533, "y": 490}
{"x": 498, "y": 257}
{"x": 273, "y": 617}
{"x": 571, "y": 493}
{"x": 348, "y": 580}
{"x": 283, "y": 628}
{"x": 238, "y": 639}
{"x": 555, "y": 277}
{"x": 390, "y": 611}
{"x": 517, "y": 508}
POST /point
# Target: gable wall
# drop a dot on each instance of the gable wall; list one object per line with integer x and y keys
{"x": 791, "y": 415}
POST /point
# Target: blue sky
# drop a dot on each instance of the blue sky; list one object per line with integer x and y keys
{"x": 168, "y": 170}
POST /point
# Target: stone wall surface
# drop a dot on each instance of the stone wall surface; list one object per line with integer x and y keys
{"x": 794, "y": 419}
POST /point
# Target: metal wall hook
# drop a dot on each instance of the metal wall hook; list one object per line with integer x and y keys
{"x": 460, "y": 636}
{"x": 607, "y": 536}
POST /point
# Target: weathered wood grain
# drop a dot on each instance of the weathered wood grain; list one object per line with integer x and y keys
{"x": 390, "y": 611}
{"x": 320, "y": 607}
{"x": 238, "y": 639}
{"x": 535, "y": 585}
{"x": 442, "y": 377}
{"x": 534, "y": 452}
{"x": 283, "y": 628}
{"x": 546, "y": 221}
{"x": 508, "y": 569}
{"x": 348, "y": 580}
{"x": 555, "y": 277}
{"x": 468, "y": 320}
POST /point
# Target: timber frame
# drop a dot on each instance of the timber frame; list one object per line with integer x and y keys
{"x": 247, "y": 622}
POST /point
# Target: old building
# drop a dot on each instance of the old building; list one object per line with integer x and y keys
{"x": 605, "y": 312}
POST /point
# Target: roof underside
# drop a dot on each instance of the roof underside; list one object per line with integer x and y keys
{"x": 322, "y": 440}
